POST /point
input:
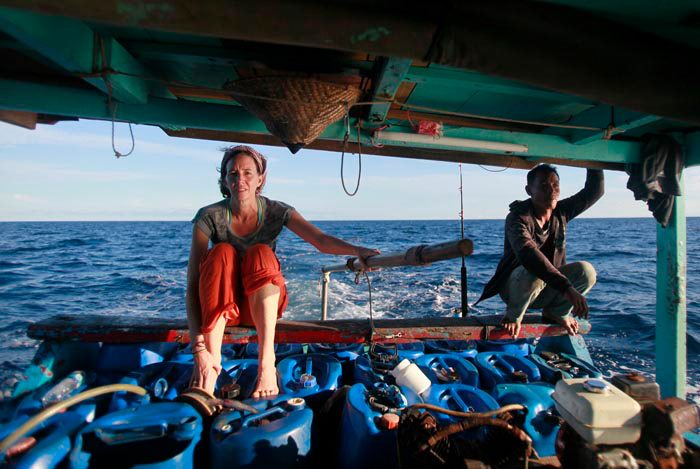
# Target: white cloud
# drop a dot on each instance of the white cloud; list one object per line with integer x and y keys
{"x": 28, "y": 199}
{"x": 56, "y": 173}
{"x": 12, "y": 136}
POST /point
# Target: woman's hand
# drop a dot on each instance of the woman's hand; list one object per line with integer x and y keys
{"x": 364, "y": 253}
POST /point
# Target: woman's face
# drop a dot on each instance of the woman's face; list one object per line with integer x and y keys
{"x": 242, "y": 177}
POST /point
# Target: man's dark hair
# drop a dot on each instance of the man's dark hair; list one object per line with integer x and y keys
{"x": 541, "y": 168}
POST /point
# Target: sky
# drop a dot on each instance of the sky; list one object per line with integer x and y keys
{"x": 68, "y": 172}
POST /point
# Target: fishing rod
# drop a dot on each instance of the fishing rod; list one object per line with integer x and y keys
{"x": 463, "y": 283}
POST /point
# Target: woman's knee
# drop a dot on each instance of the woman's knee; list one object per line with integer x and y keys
{"x": 259, "y": 257}
{"x": 222, "y": 251}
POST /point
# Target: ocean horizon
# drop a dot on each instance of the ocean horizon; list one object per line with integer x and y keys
{"x": 118, "y": 267}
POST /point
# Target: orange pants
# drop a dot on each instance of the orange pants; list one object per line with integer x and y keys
{"x": 226, "y": 282}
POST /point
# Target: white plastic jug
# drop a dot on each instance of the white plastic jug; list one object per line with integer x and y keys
{"x": 408, "y": 374}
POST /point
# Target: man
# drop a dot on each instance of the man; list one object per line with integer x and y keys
{"x": 533, "y": 272}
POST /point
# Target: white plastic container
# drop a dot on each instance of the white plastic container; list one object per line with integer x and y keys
{"x": 408, "y": 374}
{"x": 608, "y": 416}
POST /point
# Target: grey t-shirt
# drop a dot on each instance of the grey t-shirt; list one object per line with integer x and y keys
{"x": 215, "y": 221}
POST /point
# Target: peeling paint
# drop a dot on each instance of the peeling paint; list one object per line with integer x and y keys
{"x": 135, "y": 12}
{"x": 371, "y": 35}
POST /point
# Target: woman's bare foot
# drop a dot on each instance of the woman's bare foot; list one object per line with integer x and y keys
{"x": 267, "y": 382}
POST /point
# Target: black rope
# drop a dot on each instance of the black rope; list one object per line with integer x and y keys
{"x": 342, "y": 157}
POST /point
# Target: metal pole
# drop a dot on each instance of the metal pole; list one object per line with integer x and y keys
{"x": 463, "y": 271}
{"x": 324, "y": 295}
{"x": 671, "y": 303}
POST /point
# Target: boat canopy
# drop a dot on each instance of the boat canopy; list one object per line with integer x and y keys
{"x": 513, "y": 83}
{"x": 500, "y": 82}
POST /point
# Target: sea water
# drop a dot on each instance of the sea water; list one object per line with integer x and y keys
{"x": 139, "y": 269}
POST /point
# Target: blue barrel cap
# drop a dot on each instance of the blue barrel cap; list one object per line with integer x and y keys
{"x": 596, "y": 385}
{"x": 307, "y": 380}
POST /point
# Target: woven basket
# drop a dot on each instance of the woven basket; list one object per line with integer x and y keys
{"x": 294, "y": 109}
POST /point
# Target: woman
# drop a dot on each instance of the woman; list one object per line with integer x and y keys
{"x": 239, "y": 280}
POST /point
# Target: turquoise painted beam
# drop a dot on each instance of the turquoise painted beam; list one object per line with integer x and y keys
{"x": 538, "y": 145}
{"x": 455, "y": 78}
{"x": 71, "y": 45}
{"x": 89, "y": 104}
{"x": 171, "y": 113}
{"x": 600, "y": 116}
{"x": 391, "y": 75}
{"x": 671, "y": 347}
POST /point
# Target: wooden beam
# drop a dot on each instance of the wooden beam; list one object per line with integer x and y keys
{"x": 671, "y": 303}
{"x": 127, "y": 329}
{"x": 545, "y": 45}
{"x": 389, "y": 78}
{"x": 73, "y": 46}
{"x": 457, "y": 79}
{"x": 28, "y": 120}
{"x": 181, "y": 114}
{"x": 451, "y": 156}
{"x": 400, "y": 114}
{"x": 601, "y": 116}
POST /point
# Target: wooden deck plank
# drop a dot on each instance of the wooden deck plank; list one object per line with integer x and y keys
{"x": 125, "y": 329}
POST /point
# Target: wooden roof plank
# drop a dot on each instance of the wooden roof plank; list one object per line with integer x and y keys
{"x": 76, "y": 48}
{"x": 547, "y": 46}
{"x": 391, "y": 75}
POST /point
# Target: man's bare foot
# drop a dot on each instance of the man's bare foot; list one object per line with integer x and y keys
{"x": 512, "y": 327}
{"x": 568, "y": 322}
{"x": 267, "y": 382}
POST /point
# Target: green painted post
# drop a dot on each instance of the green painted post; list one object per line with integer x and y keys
{"x": 671, "y": 303}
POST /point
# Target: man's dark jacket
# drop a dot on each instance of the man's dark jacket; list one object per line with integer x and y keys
{"x": 525, "y": 244}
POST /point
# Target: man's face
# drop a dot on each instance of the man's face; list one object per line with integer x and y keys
{"x": 544, "y": 190}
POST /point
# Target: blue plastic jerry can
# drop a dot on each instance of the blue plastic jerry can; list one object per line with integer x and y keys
{"x": 365, "y": 373}
{"x": 307, "y": 375}
{"x": 520, "y": 347}
{"x": 129, "y": 357}
{"x": 242, "y": 371}
{"x": 556, "y": 366}
{"x": 164, "y": 381}
{"x": 279, "y": 436}
{"x": 410, "y": 350}
{"x": 56, "y": 391}
{"x": 540, "y": 420}
{"x": 342, "y": 352}
{"x": 462, "y": 398}
{"x": 364, "y": 437}
{"x": 53, "y": 441}
{"x": 281, "y": 350}
{"x": 447, "y": 368}
{"x": 501, "y": 367}
{"x": 154, "y": 436}
{"x": 463, "y": 348}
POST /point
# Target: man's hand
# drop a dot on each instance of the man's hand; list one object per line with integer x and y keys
{"x": 578, "y": 301}
{"x": 512, "y": 327}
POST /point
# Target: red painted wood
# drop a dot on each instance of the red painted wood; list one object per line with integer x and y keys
{"x": 93, "y": 328}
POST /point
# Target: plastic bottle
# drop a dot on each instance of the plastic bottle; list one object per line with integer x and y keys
{"x": 64, "y": 389}
{"x": 408, "y": 374}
